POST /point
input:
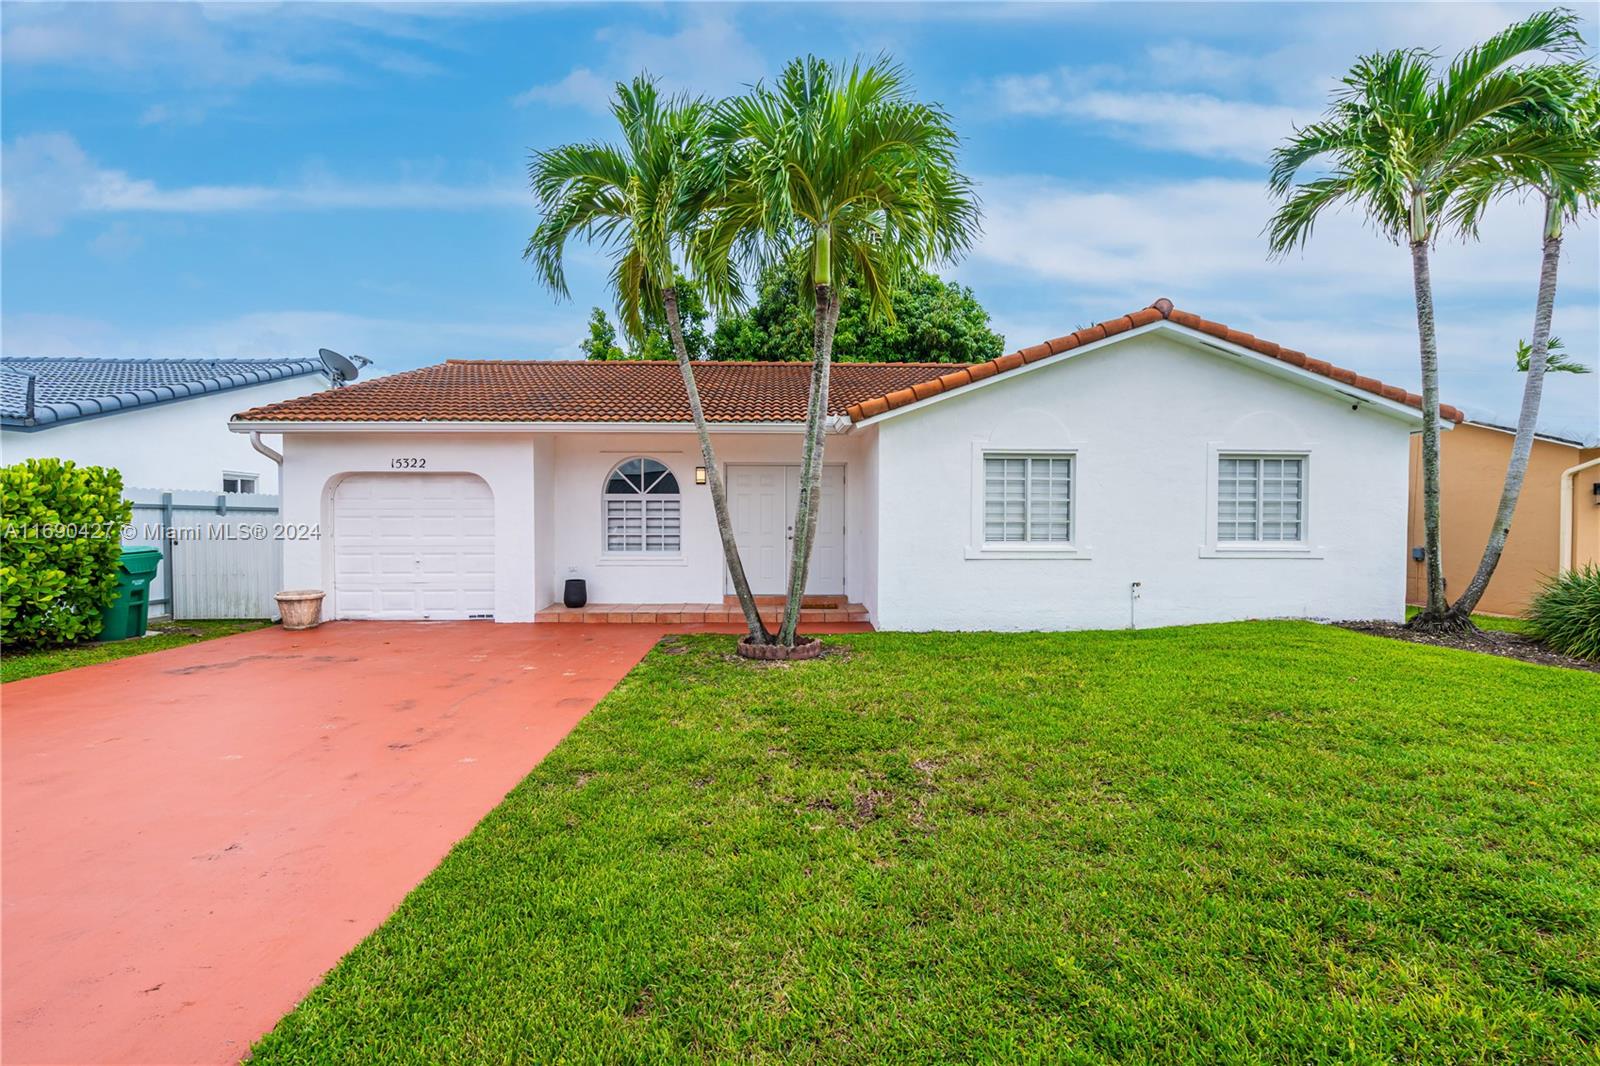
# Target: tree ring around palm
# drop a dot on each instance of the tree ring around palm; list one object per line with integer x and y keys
{"x": 805, "y": 648}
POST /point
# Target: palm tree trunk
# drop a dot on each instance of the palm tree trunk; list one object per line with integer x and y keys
{"x": 805, "y": 514}
{"x": 1522, "y": 446}
{"x": 1433, "y": 613}
{"x": 719, "y": 494}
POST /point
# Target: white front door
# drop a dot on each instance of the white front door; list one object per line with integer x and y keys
{"x": 761, "y": 501}
{"x": 413, "y": 546}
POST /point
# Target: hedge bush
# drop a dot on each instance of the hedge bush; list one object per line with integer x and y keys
{"x": 60, "y": 542}
{"x": 1566, "y": 613}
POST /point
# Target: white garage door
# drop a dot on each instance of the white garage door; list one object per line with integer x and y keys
{"x": 413, "y": 546}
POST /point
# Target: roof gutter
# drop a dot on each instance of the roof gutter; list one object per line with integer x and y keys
{"x": 271, "y": 453}
{"x": 1569, "y": 478}
{"x": 835, "y": 424}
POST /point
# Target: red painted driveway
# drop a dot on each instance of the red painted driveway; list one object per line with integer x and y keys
{"x": 191, "y": 838}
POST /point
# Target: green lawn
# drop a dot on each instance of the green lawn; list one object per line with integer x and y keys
{"x": 14, "y": 666}
{"x": 1272, "y": 842}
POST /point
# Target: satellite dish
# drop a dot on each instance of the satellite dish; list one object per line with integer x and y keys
{"x": 341, "y": 369}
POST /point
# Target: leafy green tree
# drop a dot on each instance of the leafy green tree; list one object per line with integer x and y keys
{"x": 833, "y": 168}
{"x": 601, "y": 343}
{"x": 933, "y": 321}
{"x": 641, "y": 200}
{"x": 695, "y": 322}
{"x": 1401, "y": 143}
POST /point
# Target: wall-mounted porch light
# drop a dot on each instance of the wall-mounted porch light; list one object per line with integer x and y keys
{"x": 699, "y": 475}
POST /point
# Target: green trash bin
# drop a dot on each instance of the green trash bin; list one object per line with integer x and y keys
{"x": 129, "y": 613}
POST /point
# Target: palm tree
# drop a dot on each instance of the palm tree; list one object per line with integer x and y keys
{"x": 826, "y": 167}
{"x": 641, "y": 200}
{"x": 1568, "y": 193}
{"x": 1399, "y": 142}
{"x": 1556, "y": 361}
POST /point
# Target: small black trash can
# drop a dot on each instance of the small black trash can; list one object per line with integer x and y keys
{"x": 576, "y": 593}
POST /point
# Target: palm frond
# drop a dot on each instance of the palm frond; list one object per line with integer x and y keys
{"x": 1555, "y": 362}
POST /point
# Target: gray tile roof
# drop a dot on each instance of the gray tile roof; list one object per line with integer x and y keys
{"x": 65, "y": 389}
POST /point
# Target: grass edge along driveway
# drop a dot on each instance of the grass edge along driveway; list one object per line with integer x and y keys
{"x": 163, "y": 634}
{"x": 1262, "y": 841}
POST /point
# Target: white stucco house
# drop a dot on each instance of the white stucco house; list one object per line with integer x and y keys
{"x": 1153, "y": 469}
{"x": 162, "y": 422}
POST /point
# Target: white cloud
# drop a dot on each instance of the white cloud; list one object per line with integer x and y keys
{"x": 193, "y": 41}
{"x": 707, "y": 54}
{"x": 213, "y": 50}
{"x": 117, "y": 241}
{"x": 581, "y": 88}
{"x": 190, "y": 111}
{"x": 1074, "y": 254}
{"x": 49, "y": 177}
{"x": 1220, "y": 98}
{"x": 1195, "y": 123}
{"x": 1206, "y": 233}
{"x": 392, "y": 343}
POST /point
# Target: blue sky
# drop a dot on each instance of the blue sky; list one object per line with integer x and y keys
{"x": 263, "y": 179}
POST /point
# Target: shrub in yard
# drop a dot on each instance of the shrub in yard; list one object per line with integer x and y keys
{"x": 1566, "y": 613}
{"x": 60, "y": 542}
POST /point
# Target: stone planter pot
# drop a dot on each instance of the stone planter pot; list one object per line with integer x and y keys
{"x": 806, "y": 649}
{"x": 300, "y": 608}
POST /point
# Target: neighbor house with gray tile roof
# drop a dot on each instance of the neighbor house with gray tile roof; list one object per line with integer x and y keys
{"x": 162, "y": 422}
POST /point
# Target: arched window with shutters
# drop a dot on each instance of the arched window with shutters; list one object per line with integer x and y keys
{"x": 643, "y": 510}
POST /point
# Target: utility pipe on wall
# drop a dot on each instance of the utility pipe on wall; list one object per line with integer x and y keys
{"x": 1569, "y": 479}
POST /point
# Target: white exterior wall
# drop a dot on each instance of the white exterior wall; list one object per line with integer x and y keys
{"x": 869, "y": 548}
{"x": 181, "y": 444}
{"x": 314, "y": 463}
{"x": 548, "y": 508}
{"x": 1145, "y": 416}
{"x": 582, "y": 461}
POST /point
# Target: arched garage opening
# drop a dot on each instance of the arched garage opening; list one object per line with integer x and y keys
{"x": 413, "y": 546}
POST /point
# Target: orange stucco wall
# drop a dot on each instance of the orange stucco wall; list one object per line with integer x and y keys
{"x": 1472, "y": 468}
{"x": 1586, "y": 514}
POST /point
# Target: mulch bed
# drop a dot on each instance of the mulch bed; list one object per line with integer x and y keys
{"x": 1487, "y": 641}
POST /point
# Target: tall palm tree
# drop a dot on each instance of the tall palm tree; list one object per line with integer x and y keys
{"x": 828, "y": 166}
{"x": 1568, "y": 193}
{"x": 641, "y": 200}
{"x": 1399, "y": 142}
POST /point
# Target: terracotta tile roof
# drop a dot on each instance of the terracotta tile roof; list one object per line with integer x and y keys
{"x": 626, "y": 391}
{"x": 472, "y": 390}
{"x": 955, "y": 378}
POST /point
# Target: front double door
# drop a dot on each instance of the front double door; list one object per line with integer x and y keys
{"x": 761, "y": 502}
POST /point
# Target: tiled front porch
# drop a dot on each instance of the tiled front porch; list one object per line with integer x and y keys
{"x": 814, "y": 611}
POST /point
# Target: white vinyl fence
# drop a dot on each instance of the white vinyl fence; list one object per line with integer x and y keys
{"x": 221, "y": 556}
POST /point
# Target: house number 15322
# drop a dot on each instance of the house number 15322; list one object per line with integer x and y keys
{"x": 407, "y": 464}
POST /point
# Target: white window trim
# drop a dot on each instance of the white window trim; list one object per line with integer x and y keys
{"x": 239, "y": 474}
{"x": 608, "y": 557}
{"x": 980, "y": 549}
{"x": 1304, "y": 548}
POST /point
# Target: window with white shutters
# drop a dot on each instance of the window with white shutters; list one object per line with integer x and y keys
{"x": 643, "y": 510}
{"x": 1260, "y": 499}
{"x": 1027, "y": 499}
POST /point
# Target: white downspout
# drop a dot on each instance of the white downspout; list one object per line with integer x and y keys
{"x": 275, "y": 456}
{"x": 1568, "y": 478}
